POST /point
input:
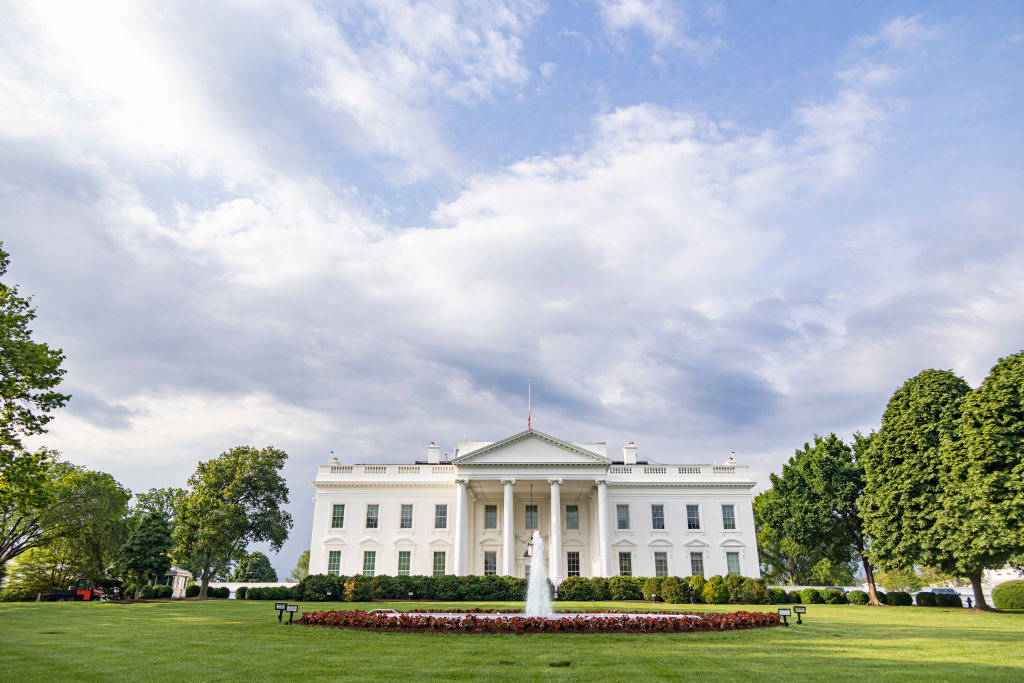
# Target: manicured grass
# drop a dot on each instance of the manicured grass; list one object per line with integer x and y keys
{"x": 235, "y": 640}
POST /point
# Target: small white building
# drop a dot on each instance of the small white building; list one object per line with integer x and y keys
{"x": 476, "y": 513}
{"x": 176, "y": 578}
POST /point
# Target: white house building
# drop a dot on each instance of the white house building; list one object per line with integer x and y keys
{"x": 476, "y": 513}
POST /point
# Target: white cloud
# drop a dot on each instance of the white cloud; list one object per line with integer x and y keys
{"x": 663, "y": 21}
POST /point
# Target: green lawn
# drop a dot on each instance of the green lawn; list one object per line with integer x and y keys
{"x": 241, "y": 640}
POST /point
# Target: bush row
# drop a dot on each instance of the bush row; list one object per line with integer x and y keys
{"x": 193, "y": 591}
{"x": 1009, "y": 595}
{"x": 148, "y": 592}
{"x": 324, "y": 587}
{"x": 927, "y": 599}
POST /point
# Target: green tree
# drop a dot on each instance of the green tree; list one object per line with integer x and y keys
{"x": 30, "y": 371}
{"x": 783, "y": 560}
{"x": 904, "y": 472}
{"x": 301, "y": 569}
{"x": 232, "y": 500}
{"x": 980, "y": 516}
{"x": 816, "y": 503}
{"x": 163, "y": 502}
{"x": 58, "y": 564}
{"x": 254, "y": 566}
{"x": 146, "y": 552}
{"x": 900, "y": 580}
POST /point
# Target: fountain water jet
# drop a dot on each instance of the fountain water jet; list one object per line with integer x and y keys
{"x": 538, "y": 597}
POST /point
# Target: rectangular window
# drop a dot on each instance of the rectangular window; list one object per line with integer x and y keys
{"x": 490, "y": 516}
{"x": 657, "y": 516}
{"x": 661, "y": 564}
{"x": 438, "y": 563}
{"x": 732, "y": 562}
{"x": 404, "y": 562}
{"x": 334, "y": 562}
{"x": 572, "y": 563}
{"x": 440, "y": 516}
{"x": 369, "y": 562}
{"x": 697, "y": 564}
{"x": 728, "y": 517}
{"x": 372, "y": 516}
{"x": 337, "y": 516}
{"x": 622, "y": 516}
{"x": 405, "y": 520}
{"x": 572, "y": 517}
{"x": 490, "y": 562}
{"x": 531, "y": 516}
{"x": 625, "y": 564}
{"x": 692, "y": 516}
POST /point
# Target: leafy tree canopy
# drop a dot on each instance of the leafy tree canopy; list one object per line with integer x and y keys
{"x": 254, "y": 566}
{"x": 233, "y": 500}
{"x": 146, "y": 552}
{"x": 301, "y": 569}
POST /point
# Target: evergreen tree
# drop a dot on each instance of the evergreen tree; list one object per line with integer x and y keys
{"x": 253, "y": 567}
{"x": 147, "y": 552}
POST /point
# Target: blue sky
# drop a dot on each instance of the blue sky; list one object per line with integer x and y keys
{"x": 362, "y": 226}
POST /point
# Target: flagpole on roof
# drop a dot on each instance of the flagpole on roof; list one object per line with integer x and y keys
{"x": 529, "y": 401}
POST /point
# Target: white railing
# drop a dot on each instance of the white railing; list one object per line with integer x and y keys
{"x": 724, "y": 469}
{"x": 689, "y": 469}
{"x": 341, "y": 469}
{"x": 621, "y": 470}
{"x": 385, "y": 472}
{"x": 408, "y": 469}
{"x": 654, "y": 470}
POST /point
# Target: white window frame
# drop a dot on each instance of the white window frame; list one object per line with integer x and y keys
{"x": 495, "y": 572}
{"x": 398, "y": 562}
{"x": 446, "y": 517}
{"x": 700, "y": 517}
{"x": 373, "y": 569}
{"x": 366, "y": 516}
{"x": 484, "y": 526}
{"x": 664, "y": 523}
{"x": 703, "y": 565}
{"x": 412, "y": 516}
{"x": 579, "y": 563}
{"x": 577, "y": 527}
{"x": 332, "y": 515}
{"x": 629, "y": 516}
{"x": 336, "y": 572}
{"x": 735, "y": 520}
{"x": 629, "y": 557}
{"x": 433, "y": 563}
{"x": 526, "y": 517}
{"x": 739, "y": 562}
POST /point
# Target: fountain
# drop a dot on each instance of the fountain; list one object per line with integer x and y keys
{"x": 538, "y": 597}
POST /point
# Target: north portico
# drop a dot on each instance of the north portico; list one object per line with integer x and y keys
{"x": 476, "y": 513}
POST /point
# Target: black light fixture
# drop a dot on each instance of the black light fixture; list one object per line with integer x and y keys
{"x": 798, "y": 610}
{"x": 785, "y": 612}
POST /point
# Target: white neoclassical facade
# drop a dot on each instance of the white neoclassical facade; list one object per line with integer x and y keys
{"x": 476, "y": 513}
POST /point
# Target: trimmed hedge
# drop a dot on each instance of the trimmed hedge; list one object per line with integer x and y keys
{"x": 575, "y": 588}
{"x": 192, "y": 591}
{"x": 1009, "y": 595}
{"x": 147, "y": 592}
{"x": 812, "y": 596}
{"x": 697, "y": 587}
{"x": 778, "y": 596}
{"x": 883, "y": 597}
{"x": 834, "y": 597}
{"x": 858, "y": 598}
{"x": 948, "y": 601}
{"x": 925, "y": 599}
{"x": 900, "y": 599}
{"x": 715, "y": 591}
{"x": 675, "y": 590}
{"x": 264, "y": 593}
{"x": 163, "y": 592}
{"x": 652, "y": 589}
{"x": 626, "y": 588}
{"x": 240, "y": 592}
{"x": 795, "y": 597}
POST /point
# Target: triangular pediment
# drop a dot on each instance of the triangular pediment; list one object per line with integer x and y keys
{"x": 532, "y": 448}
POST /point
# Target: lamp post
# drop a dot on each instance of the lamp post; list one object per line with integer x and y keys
{"x": 785, "y": 612}
{"x": 798, "y": 610}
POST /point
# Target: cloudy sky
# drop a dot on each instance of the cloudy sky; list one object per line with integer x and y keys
{"x": 361, "y": 226}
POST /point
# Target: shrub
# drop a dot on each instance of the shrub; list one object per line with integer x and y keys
{"x": 948, "y": 601}
{"x": 575, "y": 588}
{"x": 883, "y": 597}
{"x": 254, "y": 594}
{"x": 858, "y": 598}
{"x": 734, "y": 582}
{"x": 359, "y": 588}
{"x": 674, "y": 590}
{"x": 752, "y": 591}
{"x": 834, "y": 597}
{"x": 129, "y": 591}
{"x": 624, "y": 588}
{"x": 925, "y": 599}
{"x": 599, "y": 588}
{"x": 163, "y": 592}
{"x": 812, "y": 596}
{"x": 715, "y": 591}
{"x": 652, "y": 586}
{"x": 516, "y": 587}
{"x": 320, "y": 587}
{"x": 697, "y": 587}
{"x": 778, "y": 596}
{"x": 147, "y": 592}
{"x": 795, "y": 597}
{"x": 240, "y": 592}
{"x": 1009, "y": 595}
{"x": 190, "y": 591}
{"x": 447, "y": 587}
{"x": 900, "y": 599}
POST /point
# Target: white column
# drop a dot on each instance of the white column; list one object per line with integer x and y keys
{"x": 508, "y": 550}
{"x": 555, "y": 559}
{"x": 602, "y": 527}
{"x": 461, "y": 505}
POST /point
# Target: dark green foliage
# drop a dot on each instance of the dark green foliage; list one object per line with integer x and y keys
{"x": 575, "y": 588}
{"x": 146, "y": 592}
{"x": 146, "y": 553}
{"x": 834, "y": 597}
{"x": 900, "y": 599}
{"x": 675, "y": 590}
{"x": 240, "y": 592}
{"x": 190, "y": 591}
{"x": 796, "y": 597}
{"x": 599, "y": 588}
{"x": 904, "y": 472}
{"x": 858, "y": 598}
{"x": 752, "y": 592}
{"x": 128, "y": 592}
{"x": 734, "y": 583}
{"x": 315, "y": 587}
{"x": 883, "y": 597}
{"x": 625, "y": 588}
{"x": 253, "y": 567}
{"x": 942, "y": 600}
{"x": 446, "y": 587}
{"x": 1009, "y": 595}
{"x": 811, "y": 596}
{"x": 652, "y": 586}
{"x": 778, "y": 596}
{"x": 516, "y": 587}
{"x": 163, "y": 592}
{"x": 925, "y": 599}
{"x": 715, "y": 591}
{"x": 697, "y": 587}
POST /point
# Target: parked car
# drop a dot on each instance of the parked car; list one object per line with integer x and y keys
{"x": 833, "y": 588}
{"x": 945, "y": 591}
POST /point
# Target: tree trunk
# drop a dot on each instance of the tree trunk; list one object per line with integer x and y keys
{"x": 869, "y": 573}
{"x": 206, "y": 575}
{"x": 979, "y": 596}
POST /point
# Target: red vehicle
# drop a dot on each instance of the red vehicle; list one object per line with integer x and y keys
{"x": 84, "y": 590}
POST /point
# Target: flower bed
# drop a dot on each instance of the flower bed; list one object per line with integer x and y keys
{"x": 469, "y": 623}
